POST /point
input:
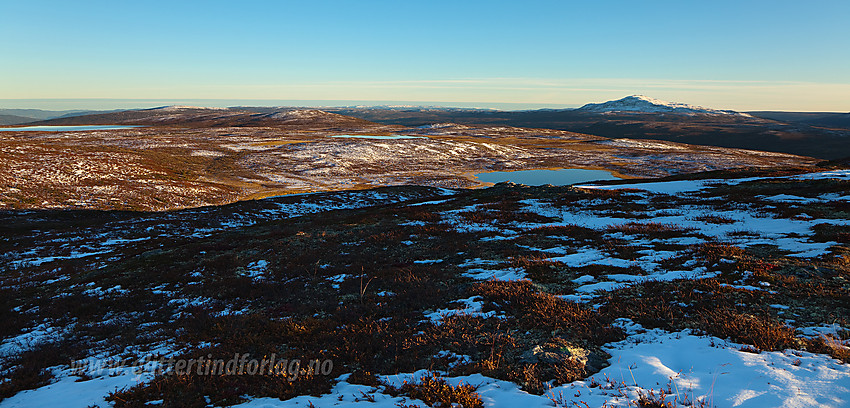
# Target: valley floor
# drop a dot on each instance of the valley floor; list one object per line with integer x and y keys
{"x": 166, "y": 168}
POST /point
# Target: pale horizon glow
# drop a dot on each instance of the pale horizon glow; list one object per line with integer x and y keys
{"x": 723, "y": 55}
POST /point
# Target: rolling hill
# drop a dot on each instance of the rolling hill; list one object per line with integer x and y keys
{"x": 14, "y": 119}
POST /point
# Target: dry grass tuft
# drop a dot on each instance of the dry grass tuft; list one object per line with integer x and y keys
{"x": 436, "y": 392}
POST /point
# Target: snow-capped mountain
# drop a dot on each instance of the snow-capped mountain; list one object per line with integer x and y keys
{"x": 645, "y": 104}
{"x": 185, "y": 107}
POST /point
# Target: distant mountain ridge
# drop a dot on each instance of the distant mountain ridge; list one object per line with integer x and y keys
{"x": 645, "y": 104}
{"x": 193, "y": 116}
{"x": 832, "y": 120}
{"x": 822, "y": 135}
{"x": 40, "y": 114}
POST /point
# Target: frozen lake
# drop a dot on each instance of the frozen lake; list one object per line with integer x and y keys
{"x": 63, "y": 128}
{"x": 561, "y": 177}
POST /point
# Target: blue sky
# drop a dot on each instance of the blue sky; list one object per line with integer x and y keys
{"x": 742, "y": 55}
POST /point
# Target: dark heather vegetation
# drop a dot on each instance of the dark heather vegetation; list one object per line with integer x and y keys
{"x": 357, "y": 286}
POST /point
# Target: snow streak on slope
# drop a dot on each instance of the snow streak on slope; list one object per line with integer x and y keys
{"x": 689, "y": 186}
{"x": 204, "y": 222}
{"x": 701, "y": 217}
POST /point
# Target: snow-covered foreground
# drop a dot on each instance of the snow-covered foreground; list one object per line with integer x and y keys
{"x": 704, "y": 368}
{"x": 70, "y": 391}
{"x": 758, "y": 257}
{"x": 690, "y": 369}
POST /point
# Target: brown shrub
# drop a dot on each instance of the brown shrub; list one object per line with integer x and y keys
{"x": 836, "y": 348}
{"x": 541, "y": 310}
{"x": 435, "y": 391}
{"x": 763, "y": 333}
